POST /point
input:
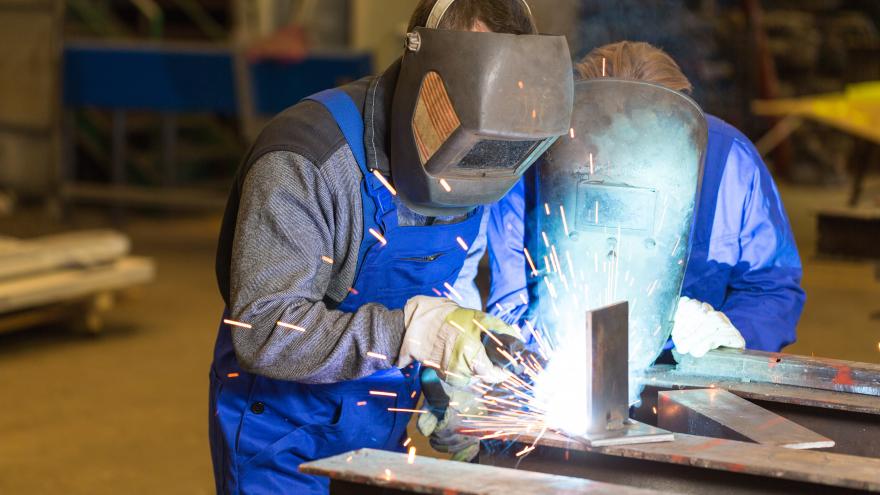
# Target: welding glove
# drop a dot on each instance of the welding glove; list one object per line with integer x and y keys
{"x": 442, "y": 334}
{"x": 699, "y": 328}
{"x": 442, "y": 422}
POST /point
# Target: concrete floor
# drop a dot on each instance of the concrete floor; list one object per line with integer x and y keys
{"x": 125, "y": 412}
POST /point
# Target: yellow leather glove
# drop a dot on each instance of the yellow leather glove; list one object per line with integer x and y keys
{"x": 441, "y": 334}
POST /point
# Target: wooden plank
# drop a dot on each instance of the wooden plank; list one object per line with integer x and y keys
{"x": 771, "y": 392}
{"x": 64, "y": 285}
{"x": 785, "y": 369}
{"x": 769, "y": 461}
{"x": 718, "y": 413}
{"x": 69, "y": 250}
{"x": 441, "y": 477}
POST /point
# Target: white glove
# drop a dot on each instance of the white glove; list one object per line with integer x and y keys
{"x": 442, "y": 334}
{"x": 699, "y": 328}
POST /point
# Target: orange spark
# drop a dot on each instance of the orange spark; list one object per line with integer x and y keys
{"x": 327, "y": 259}
{"x": 383, "y": 394}
{"x": 237, "y": 323}
{"x": 414, "y": 411}
{"x": 531, "y": 263}
{"x": 487, "y": 332}
{"x": 290, "y": 326}
{"x": 362, "y": 403}
{"x": 385, "y": 182}
{"x": 520, "y": 84}
{"x": 452, "y": 290}
{"x": 525, "y": 451}
{"x": 376, "y": 355}
{"x": 407, "y": 441}
{"x": 564, "y": 221}
{"x": 445, "y": 185}
{"x": 378, "y": 236}
{"x": 411, "y": 456}
{"x": 231, "y": 375}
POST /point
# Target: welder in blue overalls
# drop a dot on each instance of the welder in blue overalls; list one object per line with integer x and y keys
{"x": 347, "y": 226}
{"x": 742, "y": 283}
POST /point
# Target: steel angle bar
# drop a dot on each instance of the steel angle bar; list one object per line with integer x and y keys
{"x": 718, "y": 413}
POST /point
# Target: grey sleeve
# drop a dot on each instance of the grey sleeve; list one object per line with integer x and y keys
{"x": 293, "y": 241}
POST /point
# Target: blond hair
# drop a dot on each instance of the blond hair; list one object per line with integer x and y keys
{"x": 634, "y": 60}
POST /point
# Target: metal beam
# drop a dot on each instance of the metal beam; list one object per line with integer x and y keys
{"x": 785, "y": 369}
{"x": 607, "y": 379}
{"x": 693, "y": 464}
{"x": 607, "y": 367}
{"x": 364, "y": 470}
{"x": 852, "y": 420}
{"x": 713, "y": 412}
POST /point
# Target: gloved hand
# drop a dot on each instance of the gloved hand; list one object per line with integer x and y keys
{"x": 441, "y": 424}
{"x": 699, "y": 328}
{"x": 441, "y": 333}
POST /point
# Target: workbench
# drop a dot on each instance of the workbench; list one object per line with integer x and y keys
{"x": 818, "y": 431}
{"x": 836, "y": 399}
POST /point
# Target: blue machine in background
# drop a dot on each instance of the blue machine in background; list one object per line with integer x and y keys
{"x": 173, "y": 79}
{"x": 177, "y": 77}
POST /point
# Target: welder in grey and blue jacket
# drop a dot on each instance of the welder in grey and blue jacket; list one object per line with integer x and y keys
{"x": 347, "y": 225}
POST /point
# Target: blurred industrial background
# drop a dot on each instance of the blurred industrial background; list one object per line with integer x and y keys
{"x": 132, "y": 115}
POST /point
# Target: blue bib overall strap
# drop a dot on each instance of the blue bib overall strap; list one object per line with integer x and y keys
{"x": 376, "y": 198}
{"x": 261, "y": 428}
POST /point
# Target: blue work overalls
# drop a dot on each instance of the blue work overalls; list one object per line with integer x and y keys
{"x": 261, "y": 429}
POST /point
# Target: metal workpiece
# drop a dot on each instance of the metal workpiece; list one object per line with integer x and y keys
{"x": 785, "y": 369}
{"x": 369, "y": 471}
{"x": 608, "y": 382}
{"x": 851, "y": 420}
{"x": 694, "y": 464}
{"x": 713, "y": 412}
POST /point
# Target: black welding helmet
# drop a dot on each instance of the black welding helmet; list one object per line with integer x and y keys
{"x": 472, "y": 111}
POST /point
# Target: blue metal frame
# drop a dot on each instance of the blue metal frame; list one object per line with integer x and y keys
{"x": 193, "y": 78}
